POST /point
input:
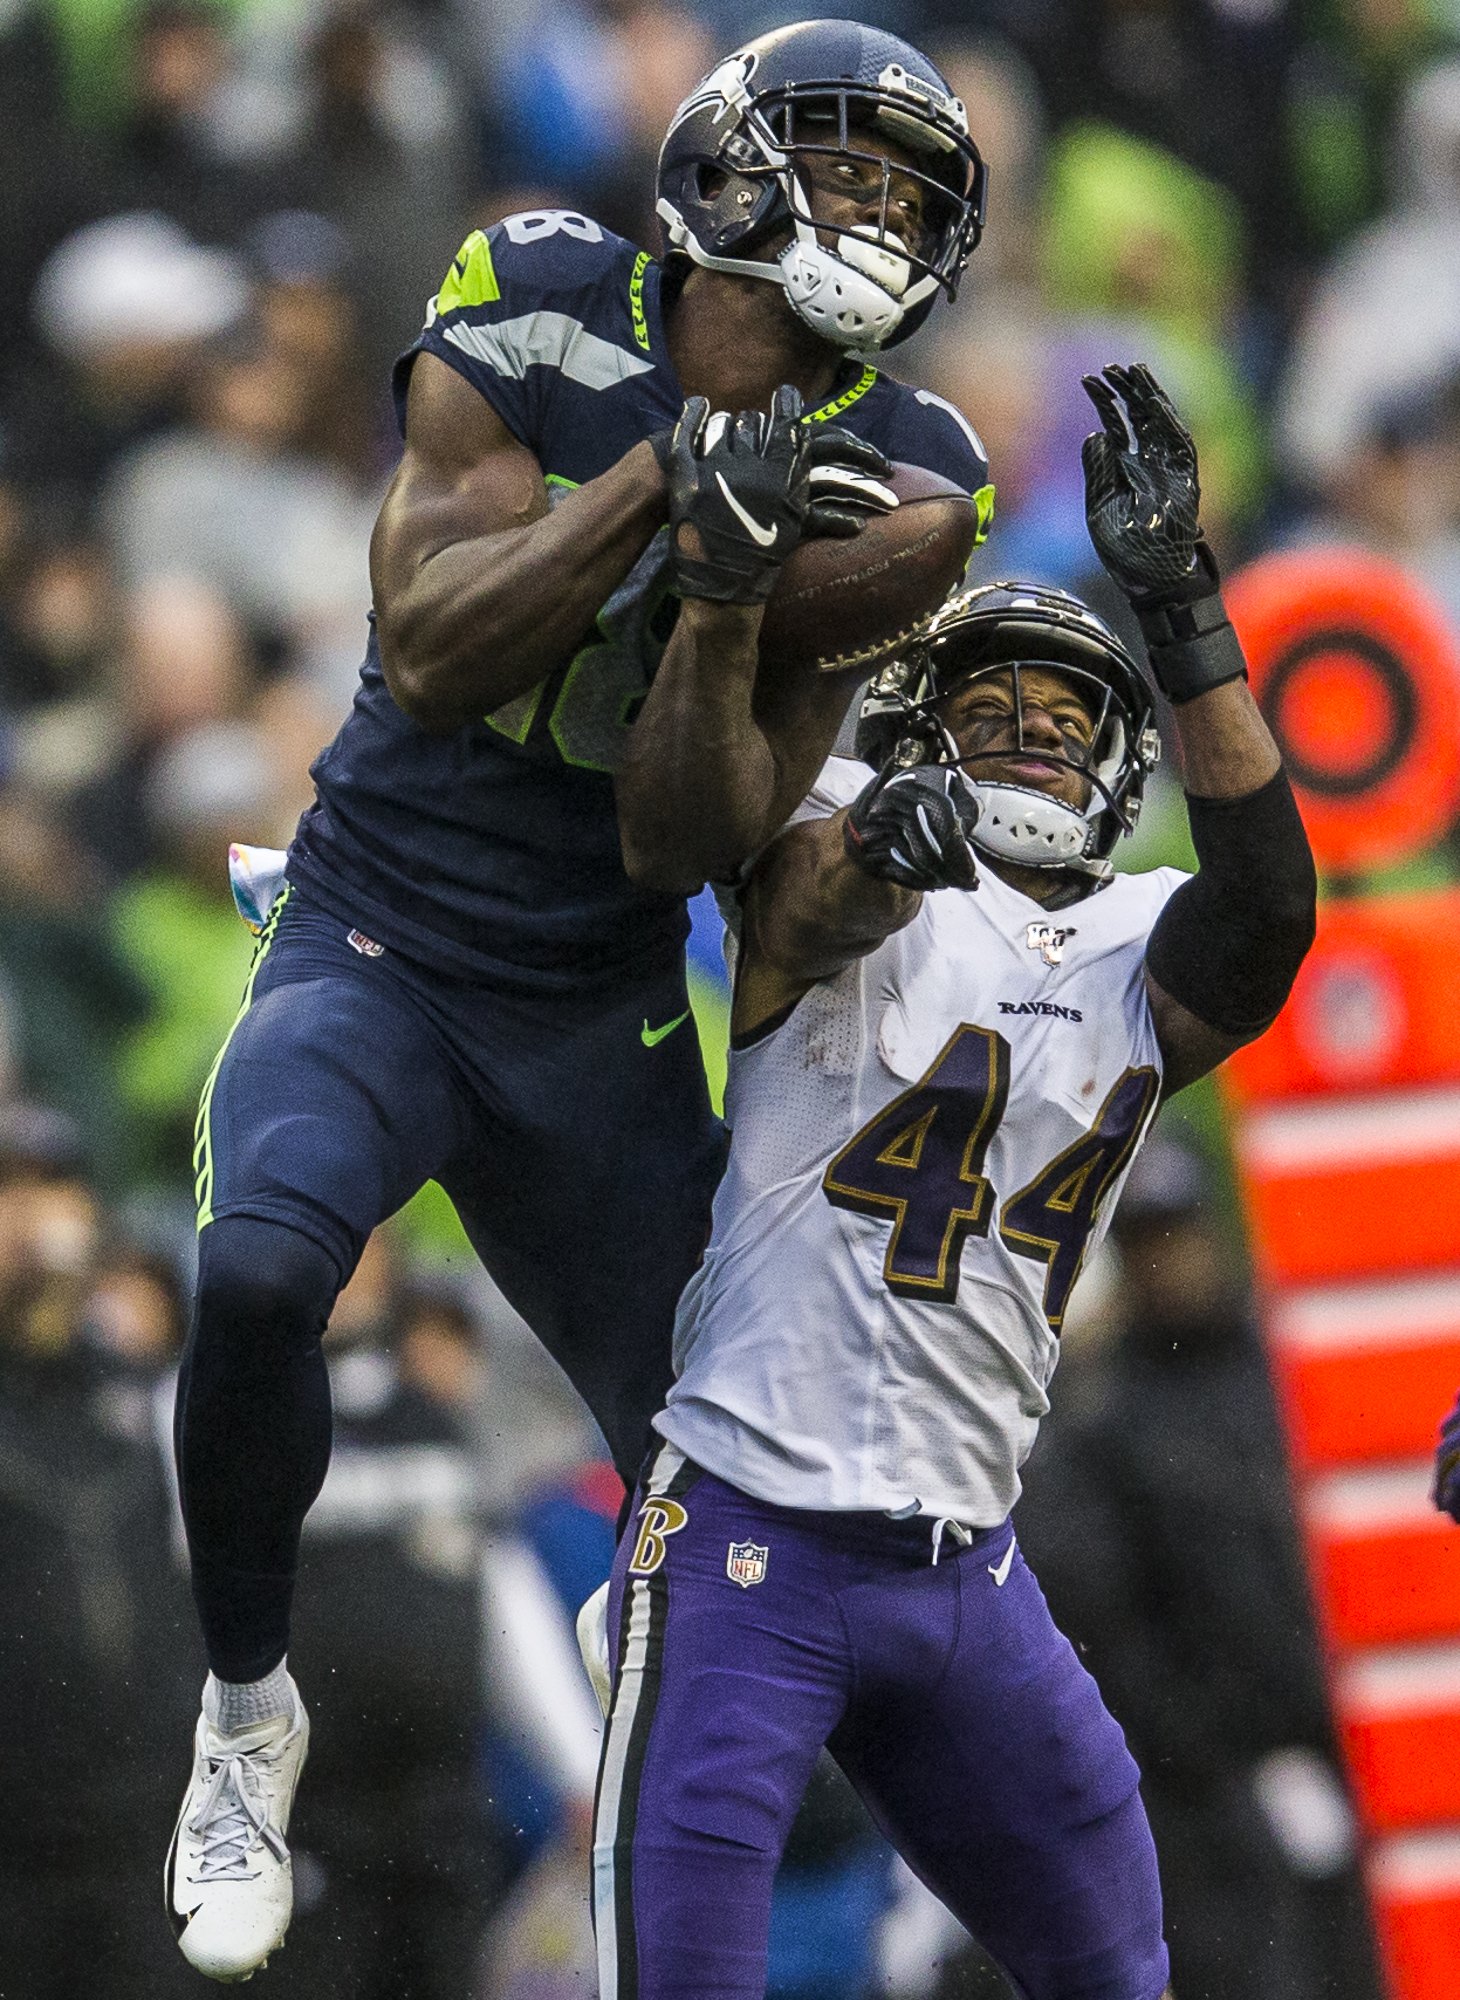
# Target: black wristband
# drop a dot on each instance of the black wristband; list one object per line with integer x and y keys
{"x": 1228, "y": 944}
{"x": 1192, "y": 647}
{"x": 1188, "y": 634}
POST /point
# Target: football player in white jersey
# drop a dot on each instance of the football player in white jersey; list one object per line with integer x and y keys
{"x": 953, "y": 1024}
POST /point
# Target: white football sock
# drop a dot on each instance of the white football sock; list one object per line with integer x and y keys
{"x": 234, "y": 1705}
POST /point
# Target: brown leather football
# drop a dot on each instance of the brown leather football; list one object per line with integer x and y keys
{"x": 845, "y": 604}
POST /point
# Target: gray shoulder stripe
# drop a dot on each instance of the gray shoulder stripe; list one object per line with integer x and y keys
{"x": 548, "y": 340}
{"x": 941, "y": 403}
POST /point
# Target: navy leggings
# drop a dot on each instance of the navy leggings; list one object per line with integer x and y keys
{"x": 572, "y": 1130}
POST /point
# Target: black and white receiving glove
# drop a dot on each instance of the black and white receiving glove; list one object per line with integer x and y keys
{"x": 751, "y": 487}
{"x": 1142, "y": 502}
{"x": 915, "y": 827}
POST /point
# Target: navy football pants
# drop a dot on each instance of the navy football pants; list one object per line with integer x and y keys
{"x": 581, "y": 1156}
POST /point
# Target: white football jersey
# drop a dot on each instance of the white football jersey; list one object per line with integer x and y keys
{"x": 923, "y": 1154}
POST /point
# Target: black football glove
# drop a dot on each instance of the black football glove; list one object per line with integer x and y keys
{"x": 847, "y": 475}
{"x": 915, "y": 827}
{"x": 1142, "y": 505}
{"x": 1141, "y": 496}
{"x": 752, "y": 486}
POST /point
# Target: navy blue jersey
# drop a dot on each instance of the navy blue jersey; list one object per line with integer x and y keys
{"x": 493, "y": 851}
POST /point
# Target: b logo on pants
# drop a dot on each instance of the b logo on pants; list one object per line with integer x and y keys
{"x": 658, "y": 1519}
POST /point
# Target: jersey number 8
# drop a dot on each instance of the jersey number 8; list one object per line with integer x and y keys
{"x": 533, "y": 224}
{"x": 920, "y": 1161}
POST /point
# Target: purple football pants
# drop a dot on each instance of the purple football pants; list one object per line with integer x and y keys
{"x": 745, "y": 1636}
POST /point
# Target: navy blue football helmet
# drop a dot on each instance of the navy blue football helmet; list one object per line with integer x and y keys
{"x": 1002, "y": 628}
{"x": 733, "y": 175}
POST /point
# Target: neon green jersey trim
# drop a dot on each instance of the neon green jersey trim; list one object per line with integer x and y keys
{"x": 983, "y": 507}
{"x": 203, "y": 1130}
{"x": 472, "y": 279}
{"x": 515, "y": 718}
{"x": 636, "y": 299}
{"x": 845, "y": 401}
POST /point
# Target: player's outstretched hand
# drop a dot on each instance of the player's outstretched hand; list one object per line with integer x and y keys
{"x": 1447, "y": 1465}
{"x": 1142, "y": 505}
{"x": 1142, "y": 491}
{"x": 744, "y": 490}
{"x": 915, "y": 827}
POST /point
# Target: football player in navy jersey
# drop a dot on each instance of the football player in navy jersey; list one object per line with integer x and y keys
{"x": 469, "y": 973}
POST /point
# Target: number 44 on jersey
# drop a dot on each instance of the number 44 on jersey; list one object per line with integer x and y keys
{"x": 920, "y": 1162}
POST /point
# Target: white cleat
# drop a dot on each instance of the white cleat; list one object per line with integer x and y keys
{"x": 229, "y": 1882}
{"x": 593, "y": 1645}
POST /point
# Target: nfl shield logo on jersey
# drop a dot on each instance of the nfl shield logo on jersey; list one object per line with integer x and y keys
{"x": 745, "y": 1564}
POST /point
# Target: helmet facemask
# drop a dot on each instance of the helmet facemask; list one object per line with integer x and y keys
{"x": 858, "y": 286}
{"x": 1020, "y": 822}
{"x": 903, "y": 717}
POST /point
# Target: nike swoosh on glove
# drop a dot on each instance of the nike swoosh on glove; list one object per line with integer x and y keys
{"x": 915, "y": 827}
{"x": 741, "y": 495}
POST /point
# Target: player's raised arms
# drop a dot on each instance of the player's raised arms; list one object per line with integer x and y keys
{"x": 720, "y": 754}
{"x": 1226, "y": 949}
{"x": 479, "y": 589}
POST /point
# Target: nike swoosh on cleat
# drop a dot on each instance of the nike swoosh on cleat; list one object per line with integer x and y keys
{"x": 651, "y": 1037}
{"x": 999, "y": 1571}
{"x": 175, "y": 1916}
{"x": 763, "y": 536}
{"x": 179, "y": 1918}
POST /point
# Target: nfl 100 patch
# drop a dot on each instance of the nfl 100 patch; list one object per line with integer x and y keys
{"x": 745, "y": 1563}
{"x": 1049, "y": 941}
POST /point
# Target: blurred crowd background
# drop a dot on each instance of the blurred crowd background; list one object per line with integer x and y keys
{"x": 218, "y": 224}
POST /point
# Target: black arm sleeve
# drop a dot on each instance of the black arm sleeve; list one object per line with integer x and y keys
{"x": 1228, "y": 945}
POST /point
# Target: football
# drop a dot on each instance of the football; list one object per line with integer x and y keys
{"x": 845, "y": 604}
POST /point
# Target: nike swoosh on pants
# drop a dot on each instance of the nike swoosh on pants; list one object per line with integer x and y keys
{"x": 651, "y": 1037}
